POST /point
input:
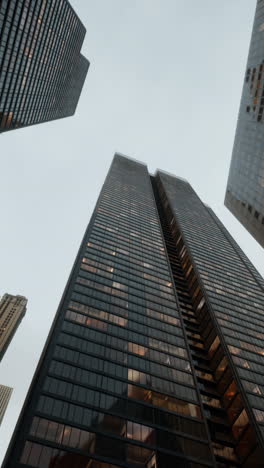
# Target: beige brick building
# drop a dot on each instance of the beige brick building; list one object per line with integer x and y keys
{"x": 12, "y": 310}
{"x": 5, "y": 395}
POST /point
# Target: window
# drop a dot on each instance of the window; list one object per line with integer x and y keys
{"x": 240, "y": 424}
{"x": 141, "y": 433}
{"x": 61, "y": 434}
{"x": 40, "y": 456}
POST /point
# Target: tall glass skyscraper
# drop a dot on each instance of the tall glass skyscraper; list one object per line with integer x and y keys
{"x": 42, "y": 71}
{"x": 155, "y": 358}
{"x": 245, "y": 186}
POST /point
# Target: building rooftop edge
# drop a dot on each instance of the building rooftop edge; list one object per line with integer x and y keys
{"x": 117, "y": 153}
{"x": 14, "y": 295}
{"x": 7, "y": 386}
{"x": 171, "y": 175}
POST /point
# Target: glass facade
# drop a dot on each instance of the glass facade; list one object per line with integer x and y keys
{"x": 223, "y": 322}
{"x": 41, "y": 69}
{"x": 145, "y": 362}
{"x": 245, "y": 186}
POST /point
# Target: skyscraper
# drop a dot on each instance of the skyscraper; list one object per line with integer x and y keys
{"x": 5, "y": 395}
{"x": 12, "y": 310}
{"x": 245, "y": 186}
{"x": 155, "y": 357}
{"x": 42, "y": 71}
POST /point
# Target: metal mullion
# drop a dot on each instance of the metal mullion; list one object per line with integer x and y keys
{"x": 65, "y": 95}
{"x": 4, "y": 13}
{"x": 3, "y": 28}
{"x": 55, "y": 73}
{"x": 5, "y": 73}
{"x": 44, "y": 96}
{"x": 12, "y": 55}
{"x": 23, "y": 64}
{"x": 69, "y": 53}
{"x": 51, "y": 23}
{"x": 75, "y": 89}
{"x": 45, "y": 53}
{"x": 168, "y": 378}
{"x": 34, "y": 64}
{"x": 53, "y": 86}
{"x": 17, "y": 69}
{"x": 22, "y": 67}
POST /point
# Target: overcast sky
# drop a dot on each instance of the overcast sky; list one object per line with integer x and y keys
{"x": 164, "y": 87}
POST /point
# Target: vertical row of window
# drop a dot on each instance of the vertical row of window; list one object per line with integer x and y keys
{"x": 231, "y": 399}
{"x": 254, "y": 78}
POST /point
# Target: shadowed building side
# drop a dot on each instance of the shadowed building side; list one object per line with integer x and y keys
{"x": 245, "y": 187}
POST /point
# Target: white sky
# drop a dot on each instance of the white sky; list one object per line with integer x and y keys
{"x": 164, "y": 87}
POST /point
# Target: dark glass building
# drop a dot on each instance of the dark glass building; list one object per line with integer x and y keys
{"x": 245, "y": 186}
{"x": 155, "y": 358}
{"x": 41, "y": 69}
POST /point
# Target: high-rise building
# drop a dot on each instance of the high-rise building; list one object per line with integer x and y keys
{"x": 5, "y": 395}
{"x": 12, "y": 310}
{"x": 42, "y": 71}
{"x": 155, "y": 357}
{"x": 245, "y": 186}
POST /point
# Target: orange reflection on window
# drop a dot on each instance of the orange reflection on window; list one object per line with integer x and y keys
{"x": 137, "y": 349}
{"x": 139, "y": 393}
{"x": 230, "y": 393}
{"x": 221, "y": 367}
{"x": 96, "y": 323}
{"x": 139, "y": 432}
{"x": 214, "y": 346}
{"x": 240, "y": 424}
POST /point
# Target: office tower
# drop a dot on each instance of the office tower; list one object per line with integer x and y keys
{"x": 42, "y": 71}
{"x": 245, "y": 186}
{"x": 12, "y": 310}
{"x": 155, "y": 357}
{"x": 5, "y": 395}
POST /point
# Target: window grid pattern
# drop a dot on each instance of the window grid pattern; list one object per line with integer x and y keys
{"x": 245, "y": 187}
{"x": 42, "y": 70}
{"x": 205, "y": 346}
{"x": 5, "y": 395}
{"x": 234, "y": 290}
{"x": 117, "y": 377}
{"x": 12, "y": 311}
